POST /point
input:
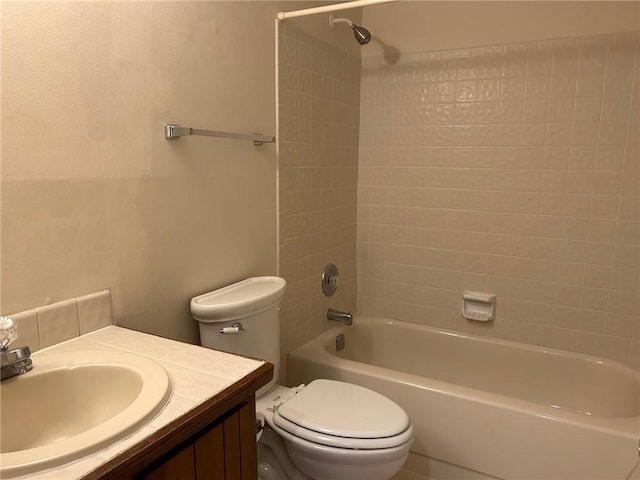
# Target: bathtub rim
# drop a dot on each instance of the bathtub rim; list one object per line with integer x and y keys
{"x": 501, "y": 341}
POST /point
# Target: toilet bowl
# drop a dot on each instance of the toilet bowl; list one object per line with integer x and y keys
{"x": 339, "y": 431}
{"x": 327, "y": 430}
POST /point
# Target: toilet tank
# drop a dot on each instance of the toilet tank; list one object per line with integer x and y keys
{"x": 252, "y": 305}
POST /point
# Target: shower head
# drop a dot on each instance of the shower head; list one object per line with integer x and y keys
{"x": 362, "y": 35}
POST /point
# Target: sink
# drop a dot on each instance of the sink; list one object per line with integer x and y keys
{"x": 73, "y": 404}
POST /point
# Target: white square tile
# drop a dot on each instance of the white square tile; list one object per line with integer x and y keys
{"x": 538, "y": 63}
{"x": 194, "y": 385}
{"x": 28, "y": 335}
{"x": 534, "y": 110}
{"x": 612, "y": 133}
{"x": 590, "y": 84}
{"x": 618, "y": 82}
{"x": 584, "y": 133}
{"x": 94, "y": 311}
{"x": 565, "y": 60}
{"x": 617, "y": 348}
{"x": 587, "y": 109}
{"x": 592, "y": 58}
{"x": 615, "y": 108}
{"x": 560, "y": 109}
{"x": 590, "y": 343}
{"x": 563, "y": 85}
{"x": 537, "y": 86}
{"x": 177, "y": 407}
{"x": 58, "y": 322}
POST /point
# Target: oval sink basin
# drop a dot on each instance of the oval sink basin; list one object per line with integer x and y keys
{"x": 73, "y": 404}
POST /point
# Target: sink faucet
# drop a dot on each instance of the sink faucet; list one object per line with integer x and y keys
{"x": 12, "y": 362}
{"x": 340, "y": 316}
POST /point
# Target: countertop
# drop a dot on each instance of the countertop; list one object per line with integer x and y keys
{"x": 197, "y": 375}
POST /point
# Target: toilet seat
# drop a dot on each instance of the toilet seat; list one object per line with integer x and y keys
{"x": 342, "y": 415}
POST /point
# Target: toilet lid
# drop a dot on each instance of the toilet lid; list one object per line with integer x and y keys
{"x": 344, "y": 415}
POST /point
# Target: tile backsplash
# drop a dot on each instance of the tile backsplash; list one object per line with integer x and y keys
{"x": 55, "y": 323}
{"x": 508, "y": 169}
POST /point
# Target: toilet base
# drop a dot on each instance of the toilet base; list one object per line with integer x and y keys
{"x": 328, "y": 463}
{"x": 274, "y": 462}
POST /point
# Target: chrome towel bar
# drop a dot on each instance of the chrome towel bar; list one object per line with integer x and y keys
{"x": 173, "y": 132}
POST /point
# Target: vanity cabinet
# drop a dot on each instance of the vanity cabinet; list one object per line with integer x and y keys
{"x": 214, "y": 441}
{"x": 226, "y": 450}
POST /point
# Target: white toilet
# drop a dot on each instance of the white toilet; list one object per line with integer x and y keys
{"x": 331, "y": 430}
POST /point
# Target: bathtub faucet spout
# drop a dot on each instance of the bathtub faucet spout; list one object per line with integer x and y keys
{"x": 340, "y": 316}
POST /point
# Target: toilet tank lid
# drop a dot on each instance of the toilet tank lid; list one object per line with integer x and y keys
{"x": 345, "y": 410}
{"x": 240, "y": 299}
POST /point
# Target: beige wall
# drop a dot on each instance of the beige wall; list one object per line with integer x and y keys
{"x": 416, "y": 26}
{"x": 93, "y": 196}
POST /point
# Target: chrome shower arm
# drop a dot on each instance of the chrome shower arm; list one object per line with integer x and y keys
{"x": 333, "y": 20}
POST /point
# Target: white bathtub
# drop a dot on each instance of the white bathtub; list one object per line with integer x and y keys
{"x": 504, "y": 409}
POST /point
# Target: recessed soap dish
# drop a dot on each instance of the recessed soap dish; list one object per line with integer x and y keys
{"x": 478, "y": 306}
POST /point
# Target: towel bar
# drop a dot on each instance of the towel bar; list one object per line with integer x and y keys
{"x": 173, "y": 132}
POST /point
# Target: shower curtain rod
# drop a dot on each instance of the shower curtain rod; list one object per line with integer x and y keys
{"x": 330, "y": 8}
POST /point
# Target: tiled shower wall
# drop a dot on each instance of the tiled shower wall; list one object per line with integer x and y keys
{"x": 318, "y": 97}
{"x": 511, "y": 169}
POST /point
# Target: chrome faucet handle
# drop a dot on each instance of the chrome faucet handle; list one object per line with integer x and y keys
{"x": 12, "y": 362}
{"x": 8, "y": 332}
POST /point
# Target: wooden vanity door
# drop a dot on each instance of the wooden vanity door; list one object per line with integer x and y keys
{"x": 226, "y": 450}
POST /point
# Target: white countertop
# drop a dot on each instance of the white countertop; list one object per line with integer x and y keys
{"x": 196, "y": 373}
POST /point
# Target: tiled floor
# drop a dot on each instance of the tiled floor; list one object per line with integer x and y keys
{"x": 407, "y": 475}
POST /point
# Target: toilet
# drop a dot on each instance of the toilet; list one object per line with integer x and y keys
{"x": 326, "y": 430}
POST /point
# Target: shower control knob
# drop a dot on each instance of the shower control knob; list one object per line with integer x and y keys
{"x": 330, "y": 279}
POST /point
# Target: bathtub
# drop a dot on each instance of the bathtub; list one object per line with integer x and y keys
{"x": 500, "y": 408}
